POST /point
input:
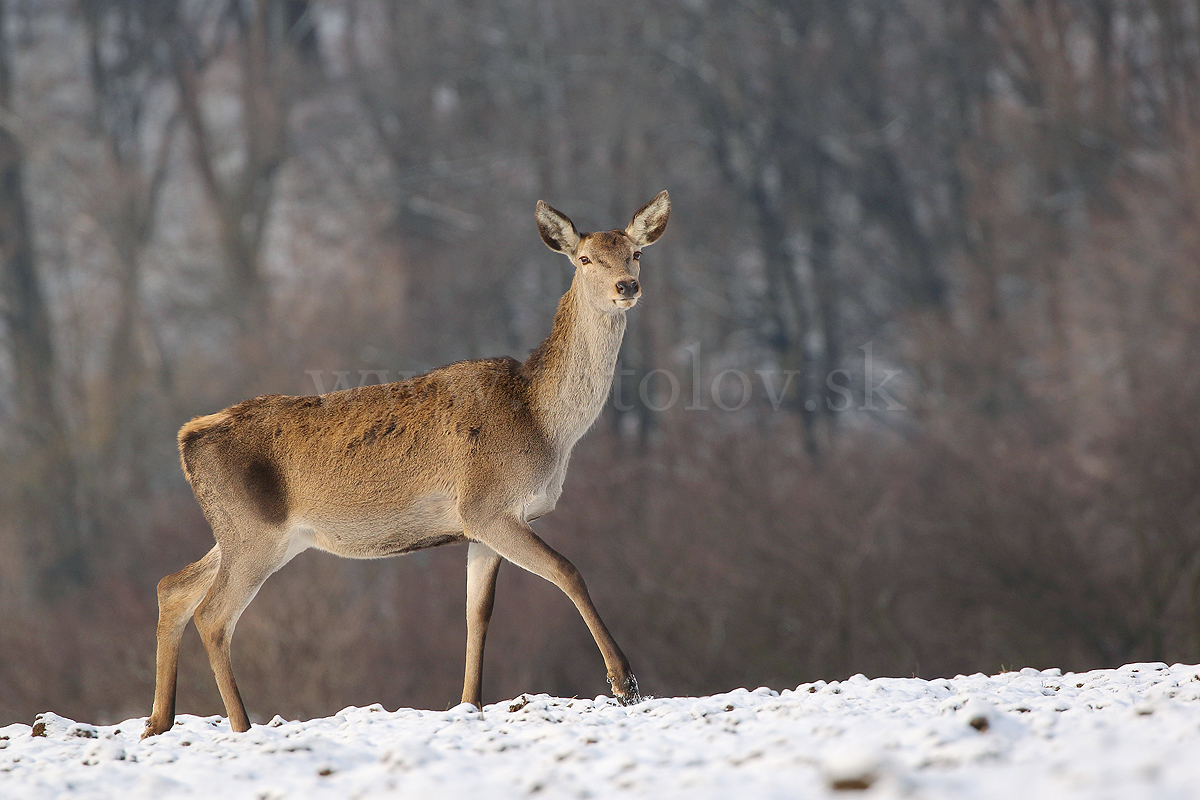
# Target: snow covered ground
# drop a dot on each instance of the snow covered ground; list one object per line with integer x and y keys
{"x": 1128, "y": 733}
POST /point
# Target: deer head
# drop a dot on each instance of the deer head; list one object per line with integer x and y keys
{"x": 607, "y": 261}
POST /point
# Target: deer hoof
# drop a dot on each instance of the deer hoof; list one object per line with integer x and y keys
{"x": 153, "y": 729}
{"x": 626, "y": 691}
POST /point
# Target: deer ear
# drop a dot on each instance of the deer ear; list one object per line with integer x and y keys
{"x": 650, "y": 220}
{"x": 556, "y": 228}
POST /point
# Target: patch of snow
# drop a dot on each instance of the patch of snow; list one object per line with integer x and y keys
{"x": 1126, "y": 733}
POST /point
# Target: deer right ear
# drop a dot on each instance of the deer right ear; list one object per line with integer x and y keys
{"x": 556, "y": 228}
{"x": 650, "y": 220}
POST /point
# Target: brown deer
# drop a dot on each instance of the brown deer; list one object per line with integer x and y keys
{"x": 471, "y": 452}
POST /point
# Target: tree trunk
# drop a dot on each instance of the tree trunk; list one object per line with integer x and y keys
{"x": 43, "y": 478}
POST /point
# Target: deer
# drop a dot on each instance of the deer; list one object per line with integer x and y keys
{"x": 470, "y": 452}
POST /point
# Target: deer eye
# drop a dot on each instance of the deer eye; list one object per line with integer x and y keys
{"x": 637, "y": 256}
{"x": 584, "y": 260}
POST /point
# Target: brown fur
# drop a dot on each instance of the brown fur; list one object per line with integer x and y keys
{"x": 470, "y": 451}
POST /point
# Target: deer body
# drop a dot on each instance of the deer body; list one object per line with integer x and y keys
{"x": 472, "y": 451}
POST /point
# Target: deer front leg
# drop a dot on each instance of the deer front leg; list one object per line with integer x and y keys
{"x": 482, "y": 565}
{"x": 515, "y": 541}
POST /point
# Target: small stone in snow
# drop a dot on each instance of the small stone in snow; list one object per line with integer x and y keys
{"x": 859, "y": 784}
{"x": 853, "y": 770}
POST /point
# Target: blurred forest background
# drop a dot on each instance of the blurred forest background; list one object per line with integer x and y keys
{"x": 996, "y": 203}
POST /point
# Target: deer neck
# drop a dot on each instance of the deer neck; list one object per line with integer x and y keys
{"x": 571, "y": 372}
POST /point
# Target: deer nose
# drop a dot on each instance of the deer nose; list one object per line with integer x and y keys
{"x": 628, "y": 287}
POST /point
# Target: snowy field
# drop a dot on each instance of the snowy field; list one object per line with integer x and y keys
{"x": 1128, "y": 733}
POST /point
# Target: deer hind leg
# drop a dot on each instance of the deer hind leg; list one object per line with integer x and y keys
{"x": 515, "y": 541}
{"x": 178, "y": 596}
{"x": 240, "y": 575}
{"x": 482, "y": 565}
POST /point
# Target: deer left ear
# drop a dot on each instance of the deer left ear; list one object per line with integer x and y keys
{"x": 650, "y": 220}
{"x": 556, "y": 228}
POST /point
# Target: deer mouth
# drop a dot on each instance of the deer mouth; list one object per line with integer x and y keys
{"x": 625, "y": 302}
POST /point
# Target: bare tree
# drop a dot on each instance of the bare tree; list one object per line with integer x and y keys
{"x": 271, "y": 75}
{"x": 46, "y": 480}
{"x": 138, "y": 127}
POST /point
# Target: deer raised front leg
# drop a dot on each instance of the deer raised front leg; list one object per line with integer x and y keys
{"x": 515, "y": 541}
